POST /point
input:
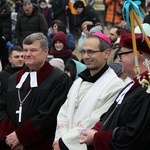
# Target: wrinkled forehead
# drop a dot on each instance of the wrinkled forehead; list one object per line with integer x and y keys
{"x": 32, "y": 44}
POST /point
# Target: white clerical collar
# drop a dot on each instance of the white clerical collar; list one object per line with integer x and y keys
{"x": 33, "y": 79}
{"x": 120, "y": 98}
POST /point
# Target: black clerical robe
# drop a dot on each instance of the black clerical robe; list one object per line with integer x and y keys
{"x": 126, "y": 126}
{"x": 39, "y": 111}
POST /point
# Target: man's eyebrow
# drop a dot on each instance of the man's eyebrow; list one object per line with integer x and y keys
{"x": 111, "y": 33}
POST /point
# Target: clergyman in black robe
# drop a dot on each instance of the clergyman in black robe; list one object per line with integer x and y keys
{"x": 29, "y": 109}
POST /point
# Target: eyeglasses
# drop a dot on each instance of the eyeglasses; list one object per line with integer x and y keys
{"x": 89, "y": 52}
{"x": 124, "y": 53}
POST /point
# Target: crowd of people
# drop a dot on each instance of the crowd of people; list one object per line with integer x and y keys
{"x": 69, "y": 83}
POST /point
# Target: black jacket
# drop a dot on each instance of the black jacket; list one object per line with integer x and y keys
{"x": 59, "y": 10}
{"x": 5, "y": 19}
{"x": 3, "y": 50}
{"x": 5, "y": 74}
{"x": 27, "y": 25}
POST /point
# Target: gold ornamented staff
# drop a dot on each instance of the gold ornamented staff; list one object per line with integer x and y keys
{"x": 136, "y": 69}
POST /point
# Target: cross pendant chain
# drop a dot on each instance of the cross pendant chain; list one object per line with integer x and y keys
{"x": 21, "y": 103}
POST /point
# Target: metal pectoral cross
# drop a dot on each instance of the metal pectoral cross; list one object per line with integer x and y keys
{"x": 19, "y": 112}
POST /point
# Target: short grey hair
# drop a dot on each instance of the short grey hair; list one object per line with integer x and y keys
{"x": 34, "y": 37}
{"x": 103, "y": 45}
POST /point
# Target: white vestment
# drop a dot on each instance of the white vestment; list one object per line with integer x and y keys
{"x": 85, "y": 103}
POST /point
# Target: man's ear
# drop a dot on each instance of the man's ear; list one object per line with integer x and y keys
{"x": 46, "y": 52}
{"x": 9, "y": 59}
{"x": 107, "y": 53}
{"x": 140, "y": 56}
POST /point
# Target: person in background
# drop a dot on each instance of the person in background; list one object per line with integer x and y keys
{"x": 87, "y": 13}
{"x": 85, "y": 32}
{"x": 117, "y": 67}
{"x": 60, "y": 47}
{"x": 20, "y": 3}
{"x": 101, "y": 8}
{"x": 16, "y": 63}
{"x": 96, "y": 28}
{"x": 87, "y": 29}
{"x": 13, "y": 24}
{"x": 70, "y": 37}
{"x": 126, "y": 124}
{"x": 58, "y": 63}
{"x": 5, "y": 19}
{"x": 57, "y": 25}
{"x": 18, "y": 6}
{"x": 52, "y": 30}
{"x": 3, "y": 49}
{"x": 113, "y": 14}
{"x": 33, "y": 98}
{"x": 73, "y": 68}
{"x": 114, "y": 35}
{"x": 46, "y": 12}
{"x": 30, "y": 21}
{"x": 147, "y": 17}
{"x": 59, "y": 11}
{"x": 90, "y": 95}
{"x": 74, "y": 19}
